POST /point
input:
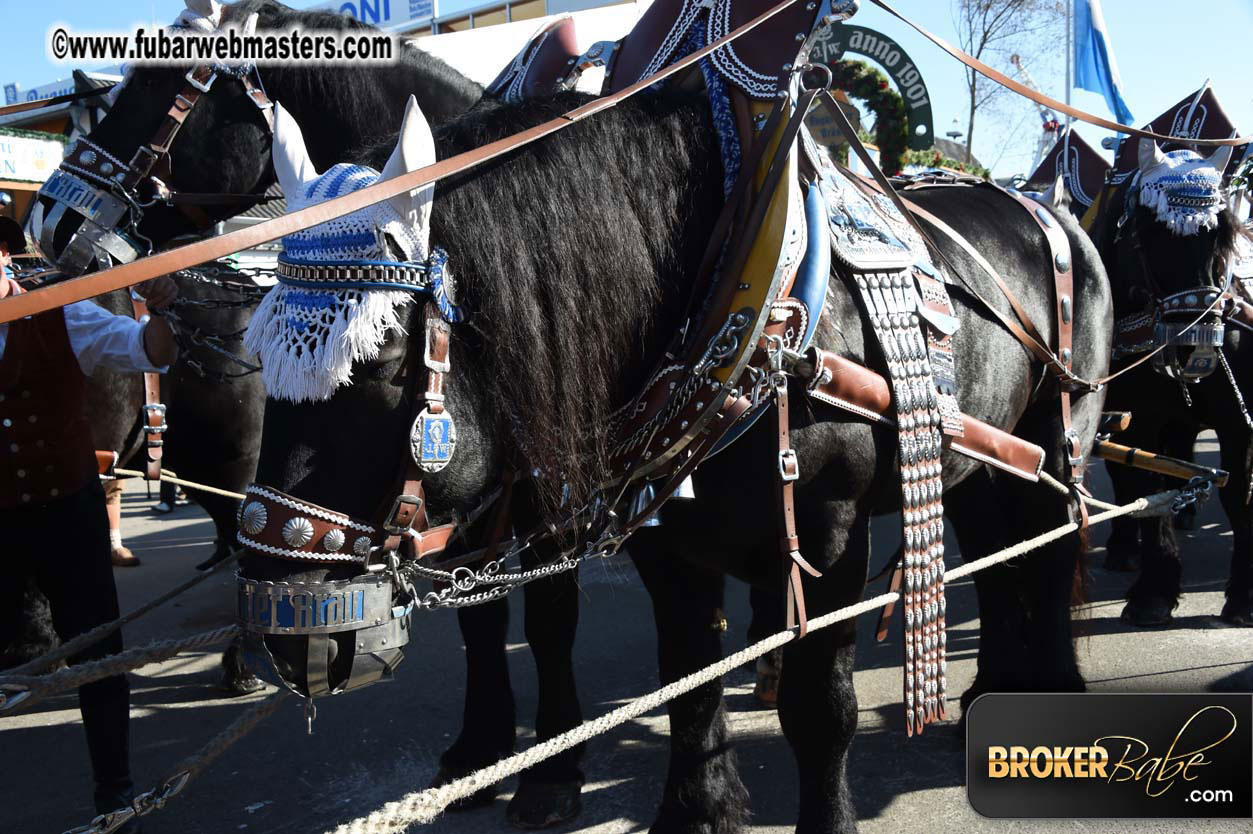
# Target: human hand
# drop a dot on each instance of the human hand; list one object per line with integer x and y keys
{"x": 158, "y": 293}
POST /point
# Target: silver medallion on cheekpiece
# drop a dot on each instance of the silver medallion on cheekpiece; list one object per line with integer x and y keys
{"x": 432, "y": 440}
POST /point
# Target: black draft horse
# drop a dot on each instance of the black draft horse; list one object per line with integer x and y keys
{"x": 573, "y": 256}
{"x": 1148, "y": 261}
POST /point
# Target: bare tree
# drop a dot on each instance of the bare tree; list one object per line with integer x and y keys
{"x": 992, "y": 30}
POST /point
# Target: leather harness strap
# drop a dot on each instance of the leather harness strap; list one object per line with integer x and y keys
{"x": 789, "y": 472}
{"x": 153, "y": 410}
{"x": 405, "y": 519}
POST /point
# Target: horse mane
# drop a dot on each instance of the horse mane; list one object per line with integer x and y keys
{"x": 353, "y": 90}
{"x": 567, "y": 252}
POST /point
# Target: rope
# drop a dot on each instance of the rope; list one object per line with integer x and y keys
{"x": 188, "y": 769}
{"x": 424, "y": 806}
{"x": 32, "y": 688}
{"x": 95, "y": 635}
{"x": 1058, "y": 486}
{"x": 132, "y": 473}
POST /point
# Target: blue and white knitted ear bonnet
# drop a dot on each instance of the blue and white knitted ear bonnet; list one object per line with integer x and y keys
{"x": 307, "y": 339}
{"x": 1184, "y": 191}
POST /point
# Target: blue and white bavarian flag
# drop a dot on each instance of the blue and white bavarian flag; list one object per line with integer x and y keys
{"x": 1095, "y": 69}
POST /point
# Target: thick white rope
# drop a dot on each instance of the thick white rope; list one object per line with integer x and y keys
{"x": 28, "y": 689}
{"x": 424, "y": 806}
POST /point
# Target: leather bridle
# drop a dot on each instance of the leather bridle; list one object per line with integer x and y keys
{"x": 111, "y": 195}
{"x": 1170, "y": 320}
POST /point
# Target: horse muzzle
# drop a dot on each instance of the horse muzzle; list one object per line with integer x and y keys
{"x": 74, "y": 223}
{"x": 323, "y": 638}
{"x": 1188, "y": 348}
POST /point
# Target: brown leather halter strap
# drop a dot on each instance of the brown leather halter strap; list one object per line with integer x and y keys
{"x": 172, "y": 260}
{"x": 405, "y": 520}
{"x": 153, "y": 159}
{"x": 152, "y": 412}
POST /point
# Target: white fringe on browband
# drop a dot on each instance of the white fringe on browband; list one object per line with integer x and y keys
{"x": 307, "y": 340}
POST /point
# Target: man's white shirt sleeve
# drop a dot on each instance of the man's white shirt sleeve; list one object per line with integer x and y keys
{"x": 101, "y": 339}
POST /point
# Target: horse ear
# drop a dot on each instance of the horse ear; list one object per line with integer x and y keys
{"x": 415, "y": 149}
{"x": 1056, "y": 194}
{"x": 1150, "y": 154}
{"x": 292, "y": 165}
{"x": 1220, "y": 157}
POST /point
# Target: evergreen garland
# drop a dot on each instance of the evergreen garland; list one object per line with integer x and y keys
{"x": 861, "y": 81}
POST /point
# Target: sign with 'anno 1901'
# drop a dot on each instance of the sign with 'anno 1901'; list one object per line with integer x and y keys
{"x": 836, "y": 41}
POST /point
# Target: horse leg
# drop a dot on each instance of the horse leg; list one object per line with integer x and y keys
{"x": 768, "y": 617}
{"x": 1178, "y": 441}
{"x": 548, "y": 793}
{"x": 817, "y": 702}
{"x": 1237, "y": 459}
{"x": 1122, "y": 548}
{"x": 703, "y": 793}
{"x": 983, "y": 524}
{"x": 488, "y": 721}
{"x": 1155, "y": 593}
{"x": 1025, "y": 607}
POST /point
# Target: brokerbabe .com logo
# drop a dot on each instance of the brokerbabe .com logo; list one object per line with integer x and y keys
{"x": 1109, "y": 755}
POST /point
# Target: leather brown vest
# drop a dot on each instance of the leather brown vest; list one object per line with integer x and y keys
{"x": 45, "y": 440}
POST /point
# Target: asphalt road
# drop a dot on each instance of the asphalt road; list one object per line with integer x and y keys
{"x": 378, "y": 744}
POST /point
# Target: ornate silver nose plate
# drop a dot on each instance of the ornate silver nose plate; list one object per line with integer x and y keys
{"x": 432, "y": 440}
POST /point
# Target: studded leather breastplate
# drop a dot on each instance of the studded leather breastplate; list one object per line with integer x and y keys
{"x": 45, "y": 439}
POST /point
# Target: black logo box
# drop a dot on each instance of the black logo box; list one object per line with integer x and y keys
{"x": 1222, "y": 786}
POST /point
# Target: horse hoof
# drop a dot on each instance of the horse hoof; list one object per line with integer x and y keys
{"x": 544, "y": 804}
{"x": 1147, "y": 613}
{"x": 1122, "y": 561}
{"x": 1237, "y": 613}
{"x": 479, "y": 799}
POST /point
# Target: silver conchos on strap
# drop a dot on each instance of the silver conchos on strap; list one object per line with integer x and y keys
{"x": 432, "y": 440}
{"x": 892, "y": 308}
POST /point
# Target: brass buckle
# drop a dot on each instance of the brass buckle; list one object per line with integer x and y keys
{"x": 390, "y": 525}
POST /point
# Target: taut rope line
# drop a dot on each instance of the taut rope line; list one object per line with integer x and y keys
{"x": 424, "y": 806}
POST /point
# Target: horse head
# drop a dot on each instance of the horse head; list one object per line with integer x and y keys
{"x": 1172, "y": 253}
{"x": 349, "y": 379}
{"x": 180, "y": 149}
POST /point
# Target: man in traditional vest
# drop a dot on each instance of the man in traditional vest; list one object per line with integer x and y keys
{"x": 52, "y": 507}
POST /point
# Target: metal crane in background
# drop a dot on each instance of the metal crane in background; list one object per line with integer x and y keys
{"x": 1051, "y": 127}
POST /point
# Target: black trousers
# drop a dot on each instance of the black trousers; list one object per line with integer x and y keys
{"x": 64, "y": 546}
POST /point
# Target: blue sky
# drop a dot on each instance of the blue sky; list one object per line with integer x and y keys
{"x": 1164, "y": 48}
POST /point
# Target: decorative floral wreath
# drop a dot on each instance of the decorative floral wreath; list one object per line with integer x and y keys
{"x": 861, "y": 81}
